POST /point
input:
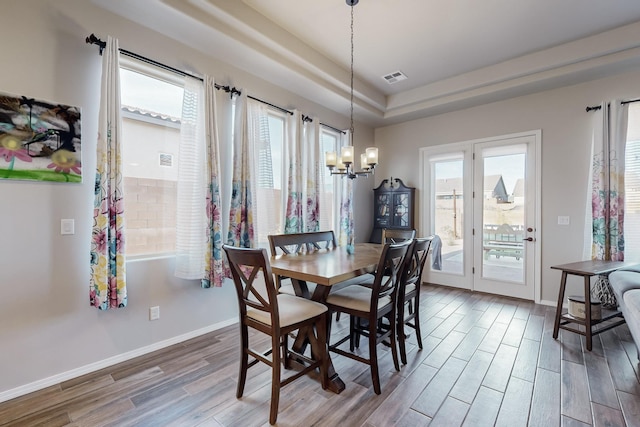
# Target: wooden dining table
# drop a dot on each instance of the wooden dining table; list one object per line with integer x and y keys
{"x": 325, "y": 268}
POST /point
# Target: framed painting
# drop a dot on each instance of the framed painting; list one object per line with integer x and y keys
{"x": 39, "y": 140}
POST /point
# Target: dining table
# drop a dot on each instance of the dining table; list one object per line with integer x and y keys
{"x": 325, "y": 268}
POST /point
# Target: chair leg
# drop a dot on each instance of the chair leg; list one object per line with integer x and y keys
{"x": 401, "y": 336}
{"x": 285, "y": 350}
{"x": 357, "y": 333}
{"x": 244, "y": 360}
{"x": 416, "y": 321}
{"x": 352, "y": 332}
{"x": 275, "y": 379}
{"x": 329, "y": 316}
{"x": 394, "y": 334}
{"x": 373, "y": 357}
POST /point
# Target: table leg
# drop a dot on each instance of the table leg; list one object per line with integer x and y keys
{"x": 335, "y": 383}
{"x": 587, "y": 311}
{"x": 563, "y": 284}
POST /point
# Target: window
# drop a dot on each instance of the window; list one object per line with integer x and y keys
{"x": 151, "y": 110}
{"x": 328, "y": 195}
{"x": 632, "y": 186}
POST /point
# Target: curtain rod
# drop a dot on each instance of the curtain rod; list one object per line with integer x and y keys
{"x": 92, "y": 39}
{"x": 597, "y": 107}
{"x": 332, "y": 128}
{"x": 284, "y": 110}
{"x": 309, "y": 119}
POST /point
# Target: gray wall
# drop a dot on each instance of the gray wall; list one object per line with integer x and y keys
{"x": 566, "y": 142}
{"x": 48, "y": 331}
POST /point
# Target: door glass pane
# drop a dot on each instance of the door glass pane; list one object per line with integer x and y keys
{"x": 503, "y": 213}
{"x": 448, "y": 215}
{"x": 632, "y": 186}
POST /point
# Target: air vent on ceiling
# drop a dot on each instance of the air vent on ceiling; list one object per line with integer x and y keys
{"x": 166, "y": 159}
{"x": 394, "y": 77}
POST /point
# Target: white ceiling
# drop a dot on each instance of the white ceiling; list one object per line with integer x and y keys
{"x": 456, "y": 53}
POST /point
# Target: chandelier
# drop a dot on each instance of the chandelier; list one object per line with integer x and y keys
{"x": 344, "y": 164}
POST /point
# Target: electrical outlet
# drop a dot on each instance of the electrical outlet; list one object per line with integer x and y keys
{"x": 563, "y": 220}
{"x": 154, "y": 313}
{"x": 67, "y": 226}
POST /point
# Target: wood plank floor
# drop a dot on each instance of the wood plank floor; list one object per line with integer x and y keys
{"x": 487, "y": 360}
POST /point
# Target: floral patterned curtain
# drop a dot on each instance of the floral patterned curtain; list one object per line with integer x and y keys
{"x": 241, "y": 214}
{"x": 304, "y": 175}
{"x": 107, "y": 284}
{"x": 314, "y": 169}
{"x": 214, "y": 270}
{"x": 607, "y": 192}
{"x": 293, "y": 222}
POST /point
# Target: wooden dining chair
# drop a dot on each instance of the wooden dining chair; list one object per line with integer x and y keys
{"x": 305, "y": 242}
{"x": 262, "y": 308}
{"x": 390, "y": 235}
{"x": 409, "y": 293}
{"x": 372, "y": 304}
{"x": 296, "y": 243}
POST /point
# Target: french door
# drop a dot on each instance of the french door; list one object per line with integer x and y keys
{"x": 481, "y": 198}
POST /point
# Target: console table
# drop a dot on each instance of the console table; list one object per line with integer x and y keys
{"x": 586, "y": 269}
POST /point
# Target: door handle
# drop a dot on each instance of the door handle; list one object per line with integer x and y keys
{"x": 530, "y": 239}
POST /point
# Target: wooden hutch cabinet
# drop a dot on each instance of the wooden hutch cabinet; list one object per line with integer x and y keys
{"x": 393, "y": 207}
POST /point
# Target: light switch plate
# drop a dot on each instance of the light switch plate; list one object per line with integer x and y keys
{"x": 67, "y": 226}
{"x": 563, "y": 220}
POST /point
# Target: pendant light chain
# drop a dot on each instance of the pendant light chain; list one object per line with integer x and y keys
{"x": 344, "y": 163}
{"x": 351, "y": 123}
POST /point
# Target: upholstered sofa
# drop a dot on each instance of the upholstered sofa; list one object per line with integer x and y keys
{"x": 626, "y": 286}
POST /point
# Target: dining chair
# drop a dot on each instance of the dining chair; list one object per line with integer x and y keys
{"x": 262, "y": 308}
{"x": 409, "y": 293}
{"x": 305, "y": 242}
{"x": 390, "y": 235}
{"x": 371, "y": 304}
{"x": 297, "y": 243}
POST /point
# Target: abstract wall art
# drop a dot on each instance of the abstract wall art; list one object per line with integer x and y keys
{"x": 39, "y": 140}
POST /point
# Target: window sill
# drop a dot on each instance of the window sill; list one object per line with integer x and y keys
{"x": 149, "y": 257}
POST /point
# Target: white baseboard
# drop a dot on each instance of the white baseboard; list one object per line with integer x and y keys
{"x": 549, "y": 302}
{"x": 92, "y": 367}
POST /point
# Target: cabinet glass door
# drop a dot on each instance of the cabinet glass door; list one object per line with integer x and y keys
{"x": 383, "y": 211}
{"x": 401, "y": 214}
